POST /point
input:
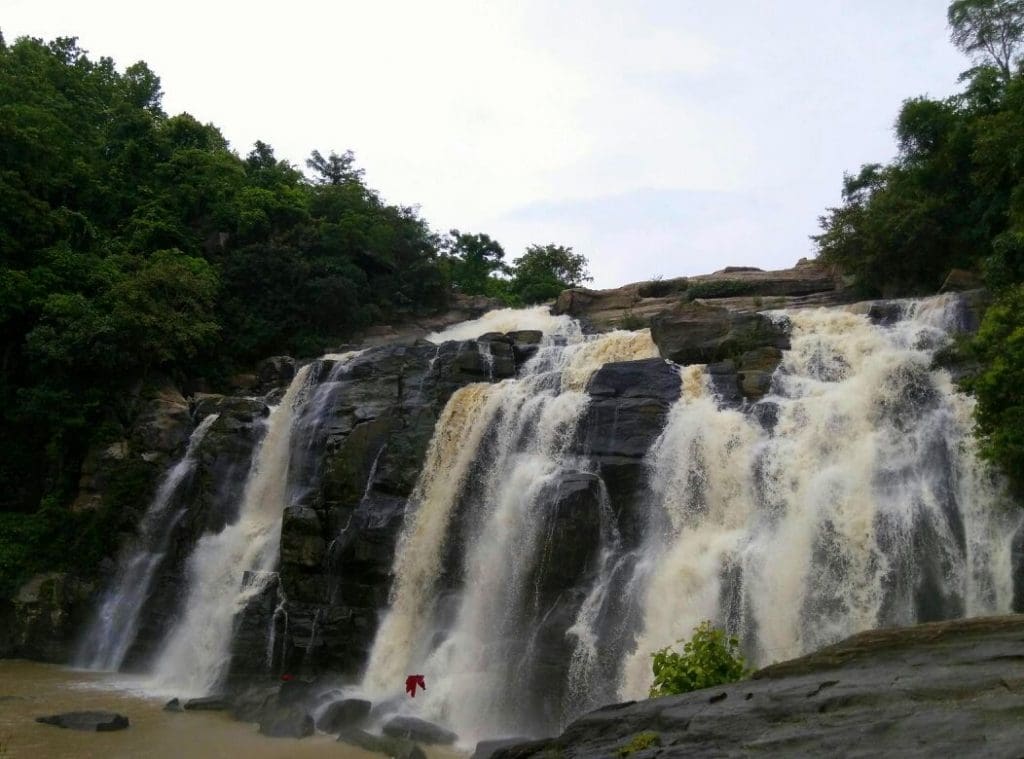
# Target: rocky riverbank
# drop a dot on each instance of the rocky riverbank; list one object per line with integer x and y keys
{"x": 940, "y": 689}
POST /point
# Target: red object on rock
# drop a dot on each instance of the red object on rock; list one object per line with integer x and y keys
{"x": 412, "y": 681}
{"x": 287, "y": 678}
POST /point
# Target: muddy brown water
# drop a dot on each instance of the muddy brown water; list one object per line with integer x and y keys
{"x": 30, "y": 689}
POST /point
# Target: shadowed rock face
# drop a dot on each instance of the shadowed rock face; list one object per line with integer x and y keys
{"x": 945, "y": 688}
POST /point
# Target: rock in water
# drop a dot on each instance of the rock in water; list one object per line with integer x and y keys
{"x": 343, "y": 713}
{"x": 487, "y": 749}
{"x": 399, "y": 748}
{"x": 99, "y": 722}
{"x": 420, "y": 730}
{"x": 207, "y": 704}
{"x": 174, "y": 705}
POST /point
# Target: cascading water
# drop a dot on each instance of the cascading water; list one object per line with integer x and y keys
{"x": 113, "y": 629}
{"x": 497, "y": 459}
{"x": 196, "y": 653}
{"x": 863, "y": 505}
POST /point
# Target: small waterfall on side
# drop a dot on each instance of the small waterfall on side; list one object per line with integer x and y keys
{"x": 113, "y": 629}
{"x": 861, "y": 505}
{"x": 498, "y": 460}
{"x": 229, "y": 568}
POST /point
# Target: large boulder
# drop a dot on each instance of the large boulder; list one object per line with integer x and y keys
{"x": 696, "y": 333}
{"x": 98, "y": 722}
{"x": 163, "y": 426}
{"x": 415, "y": 729}
{"x": 343, "y": 713}
{"x": 276, "y": 371}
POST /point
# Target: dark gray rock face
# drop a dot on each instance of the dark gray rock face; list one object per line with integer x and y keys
{"x": 939, "y": 689}
{"x": 487, "y": 749}
{"x": 174, "y": 705}
{"x": 414, "y": 729}
{"x": 98, "y": 722}
{"x": 357, "y": 451}
{"x": 207, "y": 704}
{"x": 695, "y": 333}
{"x": 397, "y": 748}
{"x": 347, "y": 712}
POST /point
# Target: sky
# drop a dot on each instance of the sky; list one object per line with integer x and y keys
{"x": 656, "y": 137}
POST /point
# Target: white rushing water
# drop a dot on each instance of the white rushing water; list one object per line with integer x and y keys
{"x": 113, "y": 629}
{"x": 503, "y": 447}
{"x": 196, "y": 652}
{"x": 866, "y": 505}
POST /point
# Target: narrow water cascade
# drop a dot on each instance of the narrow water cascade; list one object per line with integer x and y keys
{"x": 229, "y": 568}
{"x": 113, "y": 628}
{"x": 486, "y": 511}
{"x": 860, "y": 503}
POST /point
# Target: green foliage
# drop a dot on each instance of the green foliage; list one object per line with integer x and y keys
{"x": 999, "y": 348}
{"x": 475, "y": 263}
{"x": 632, "y": 321}
{"x": 543, "y": 271}
{"x": 639, "y": 742}
{"x": 709, "y": 658}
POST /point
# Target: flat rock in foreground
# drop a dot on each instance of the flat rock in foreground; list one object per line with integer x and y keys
{"x": 939, "y": 689}
{"x": 98, "y": 722}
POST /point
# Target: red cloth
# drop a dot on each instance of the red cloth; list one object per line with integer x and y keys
{"x": 411, "y": 682}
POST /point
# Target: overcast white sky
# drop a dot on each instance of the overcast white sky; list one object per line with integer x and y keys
{"x": 662, "y": 137}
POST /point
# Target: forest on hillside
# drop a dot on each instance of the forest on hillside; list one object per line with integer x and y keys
{"x": 136, "y": 245}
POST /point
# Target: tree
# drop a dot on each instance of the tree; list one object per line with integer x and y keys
{"x": 543, "y": 271}
{"x": 474, "y": 262}
{"x": 335, "y": 169}
{"x": 989, "y": 30}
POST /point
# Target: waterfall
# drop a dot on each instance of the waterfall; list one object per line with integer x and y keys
{"x": 113, "y": 629}
{"x": 195, "y": 655}
{"x": 863, "y": 505}
{"x": 497, "y": 459}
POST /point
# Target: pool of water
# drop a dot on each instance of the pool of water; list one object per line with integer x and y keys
{"x": 30, "y": 689}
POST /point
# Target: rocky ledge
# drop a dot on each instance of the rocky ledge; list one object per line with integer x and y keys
{"x": 939, "y": 689}
{"x": 738, "y": 288}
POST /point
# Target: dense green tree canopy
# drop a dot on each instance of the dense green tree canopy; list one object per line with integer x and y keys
{"x": 543, "y": 271}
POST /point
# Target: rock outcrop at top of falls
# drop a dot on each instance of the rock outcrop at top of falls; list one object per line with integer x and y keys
{"x": 939, "y": 689}
{"x": 738, "y": 288}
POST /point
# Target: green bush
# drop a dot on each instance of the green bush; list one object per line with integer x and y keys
{"x": 720, "y": 288}
{"x": 709, "y": 658}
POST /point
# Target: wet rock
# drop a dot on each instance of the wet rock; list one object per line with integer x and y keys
{"x": 99, "y": 722}
{"x": 525, "y": 343}
{"x": 695, "y": 333}
{"x": 398, "y": 748}
{"x": 415, "y": 729}
{"x": 939, "y": 689}
{"x": 885, "y": 313}
{"x": 174, "y": 705}
{"x": 48, "y": 613}
{"x": 344, "y": 713}
{"x": 244, "y": 410}
{"x": 291, "y": 722}
{"x": 250, "y": 702}
{"x": 164, "y": 424}
{"x": 959, "y": 280}
{"x": 487, "y": 749}
{"x": 276, "y": 371}
{"x": 207, "y": 704}
{"x": 302, "y": 541}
